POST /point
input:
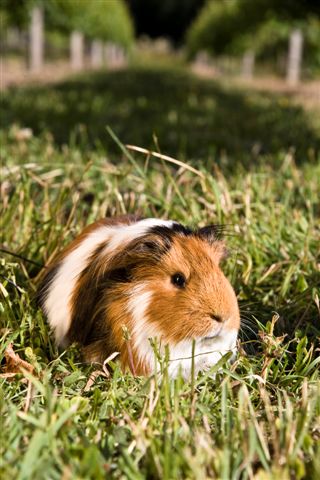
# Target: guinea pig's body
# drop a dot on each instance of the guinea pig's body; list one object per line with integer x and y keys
{"x": 124, "y": 281}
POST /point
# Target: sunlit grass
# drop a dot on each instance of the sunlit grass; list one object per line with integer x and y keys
{"x": 191, "y": 117}
{"x": 259, "y": 418}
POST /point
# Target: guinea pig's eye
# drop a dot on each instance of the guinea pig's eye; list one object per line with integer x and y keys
{"x": 179, "y": 280}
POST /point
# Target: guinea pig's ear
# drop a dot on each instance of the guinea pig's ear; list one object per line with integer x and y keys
{"x": 150, "y": 245}
{"x": 147, "y": 249}
{"x": 213, "y": 234}
{"x": 210, "y": 233}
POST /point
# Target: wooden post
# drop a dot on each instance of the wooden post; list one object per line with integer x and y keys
{"x": 294, "y": 57}
{"x": 121, "y": 57}
{"x": 96, "y": 53}
{"x": 110, "y": 54}
{"x": 248, "y": 64}
{"x": 36, "y": 40}
{"x": 76, "y": 50}
{"x": 202, "y": 59}
{"x": 115, "y": 55}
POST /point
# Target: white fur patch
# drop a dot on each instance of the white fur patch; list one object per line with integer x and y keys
{"x": 57, "y": 302}
{"x": 142, "y": 330}
{"x": 57, "y": 305}
{"x": 126, "y": 233}
{"x": 207, "y": 353}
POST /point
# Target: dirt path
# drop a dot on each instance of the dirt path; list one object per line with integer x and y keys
{"x": 306, "y": 93}
{"x": 15, "y": 73}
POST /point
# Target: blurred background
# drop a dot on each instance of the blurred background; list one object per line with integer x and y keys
{"x": 197, "y": 79}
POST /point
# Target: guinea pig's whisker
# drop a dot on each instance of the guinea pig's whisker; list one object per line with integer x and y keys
{"x": 245, "y": 335}
{"x": 250, "y": 316}
{"x": 246, "y": 328}
{"x": 248, "y": 304}
{"x": 246, "y": 319}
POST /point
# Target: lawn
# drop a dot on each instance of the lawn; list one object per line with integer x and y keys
{"x": 191, "y": 117}
{"x": 258, "y": 172}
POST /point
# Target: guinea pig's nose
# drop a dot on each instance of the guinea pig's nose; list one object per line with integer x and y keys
{"x": 217, "y": 318}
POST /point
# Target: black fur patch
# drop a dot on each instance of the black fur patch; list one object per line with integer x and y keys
{"x": 86, "y": 301}
{"x": 120, "y": 275}
{"x": 210, "y": 233}
{"x": 178, "y": 228}
{"x": 168, "y": 232}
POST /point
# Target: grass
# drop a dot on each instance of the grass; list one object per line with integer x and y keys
{"x": 258, "y": 418}
{"x": 190, "y": 117}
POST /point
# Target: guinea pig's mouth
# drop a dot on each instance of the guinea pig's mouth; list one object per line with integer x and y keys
{"x": 208, "y": 339}
{"x": 211, "y": 337}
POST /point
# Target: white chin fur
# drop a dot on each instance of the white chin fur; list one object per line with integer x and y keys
{"x": 207, "y": 354}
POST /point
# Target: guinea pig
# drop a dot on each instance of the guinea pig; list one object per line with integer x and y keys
{"x": 126, "y": 280}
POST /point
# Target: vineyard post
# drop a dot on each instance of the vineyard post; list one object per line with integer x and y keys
{"x": 294, "y": 57}
{"x": 36, "y": 40}
{"x": 76, "y": 50}
{"x": 248, "y": 64}
{"x": 96, "y": 53}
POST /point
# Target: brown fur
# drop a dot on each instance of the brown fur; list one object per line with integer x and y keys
{"x": 100, "y": 321}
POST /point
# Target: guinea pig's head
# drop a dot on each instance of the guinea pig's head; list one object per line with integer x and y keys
{"x": 176, "y": 292}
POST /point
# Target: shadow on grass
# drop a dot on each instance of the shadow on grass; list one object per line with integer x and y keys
{"x": 191, "y": 117}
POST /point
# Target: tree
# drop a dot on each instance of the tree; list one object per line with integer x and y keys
{"x": 15, "y": 12}
{"x": 225, "y": 26}
{"x": 100, "y": 19}
{"x": 108, "y": 20}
